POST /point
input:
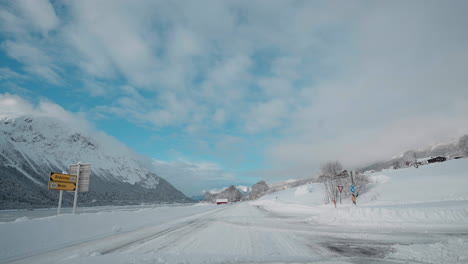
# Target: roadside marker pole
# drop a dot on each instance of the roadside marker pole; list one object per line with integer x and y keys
{"x": 340, "y": 188}
{"x": 76, "y": 189}
{"x": 59, "y": 207}
{"x": 60, "y": 202}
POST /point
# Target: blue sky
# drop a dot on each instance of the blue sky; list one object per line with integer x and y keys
{"x": 245, "y": 90}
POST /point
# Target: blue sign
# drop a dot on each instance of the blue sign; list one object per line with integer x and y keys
{"x": 351, "y": 188}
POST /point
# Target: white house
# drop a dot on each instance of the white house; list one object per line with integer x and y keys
{"x": 221, "y": 201}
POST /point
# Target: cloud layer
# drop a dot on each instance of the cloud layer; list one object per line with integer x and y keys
{"x": 188, "y": 176}
{"x": 300, "y": 82}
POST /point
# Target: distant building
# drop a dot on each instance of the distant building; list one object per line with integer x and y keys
{"x": 221, "y": 201}
{"x": 437, "y": 159}
{"x": 343, "y": 174}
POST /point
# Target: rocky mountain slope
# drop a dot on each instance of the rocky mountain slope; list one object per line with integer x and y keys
{"x": 231, "y": 193}
{"x": 33, "y": 146}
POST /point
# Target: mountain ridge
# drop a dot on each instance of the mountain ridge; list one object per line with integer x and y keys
{"x": 33, "y": 146}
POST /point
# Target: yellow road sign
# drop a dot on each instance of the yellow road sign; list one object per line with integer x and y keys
{"x": 65, "y": 186}
{"x": 59, "y": 177}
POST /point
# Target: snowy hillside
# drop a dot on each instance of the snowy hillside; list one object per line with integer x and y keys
{"x": 428, "y": 195}
{"x": 242, "y": 188}
{"x": 284, "y": 185}
{"x": 33, "y": 146}
{"x": 458, "y": 148}
{"x": 426, "y": 207}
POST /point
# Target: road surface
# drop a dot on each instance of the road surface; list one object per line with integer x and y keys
{"x": 238, "y": 233}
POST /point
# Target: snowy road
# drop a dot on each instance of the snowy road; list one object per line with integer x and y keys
{"x": 242, "y": 233}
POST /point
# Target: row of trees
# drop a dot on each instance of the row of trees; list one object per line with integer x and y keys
{"x": 333, "y": 175}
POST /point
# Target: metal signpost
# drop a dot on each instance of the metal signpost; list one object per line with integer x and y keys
{"x": 77, "y": 180}
{"x": 343, "y": 175}
{"x": 351, "y": 188}
{"x": 62, "y": 182}
{"x": 82, "y": 172}
{"x": 340, "y": 188}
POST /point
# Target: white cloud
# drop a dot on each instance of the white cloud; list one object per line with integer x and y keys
{"x": 192, "y": 177}
{"x": 401, "y": 90}
{"x": 26, "y": 16}
{"x": 35, "y": 59}
{"x": 219, "y": 116}
{"x": 12, "y": 105}
{"x": 266, "y": 116}
{"x": 7, "y": 73}
{"x": 329, "y": 77}
{"x": 184, "y": 43}
{"x": 40, "y": 13}
{"x": 110, "y": 37}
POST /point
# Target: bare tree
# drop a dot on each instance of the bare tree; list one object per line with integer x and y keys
{"x": 410, "y": 157}
{"x": 360, "y": 182}
{"x": 334, "y": 175}
{"x": 329, "y": 170}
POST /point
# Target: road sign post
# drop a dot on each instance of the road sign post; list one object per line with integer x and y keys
{"x": 82, "y": 172}
{"x": 59, "y": 207}
{"x": 340, "y": 188}
{"x": 353, "y": 197}
{"x": 61, "y": 182}
{"x": 76, "y": 181}
{"x": 75, "y": 200}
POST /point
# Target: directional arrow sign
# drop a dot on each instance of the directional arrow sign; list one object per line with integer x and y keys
{"x": 59, "y": 177}
{"x": 65, "y": 186}
{"x": 351, "y": 188}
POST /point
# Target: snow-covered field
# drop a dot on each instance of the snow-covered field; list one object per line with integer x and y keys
{"x": 24, "y": 214}
{"x": 431, "y": 201}
{"x": 407, "y": 216}
{"x": 432, "y": 195}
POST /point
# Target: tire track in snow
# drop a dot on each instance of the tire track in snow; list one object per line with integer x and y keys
{"x": 142, "y": 241}
{"x": 109, "y": 244}
{"x": 233, "y": 232}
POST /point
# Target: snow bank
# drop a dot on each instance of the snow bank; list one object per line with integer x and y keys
{"x": 433, "y": 182}
{"x": 407, "y": 216}
{"x": 431, "y": 195}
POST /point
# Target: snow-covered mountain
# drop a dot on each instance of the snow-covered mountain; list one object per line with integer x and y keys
{"x": 33, "y": 146}
{"x": 242, "y": 188}
{"x": 288, "y": 184}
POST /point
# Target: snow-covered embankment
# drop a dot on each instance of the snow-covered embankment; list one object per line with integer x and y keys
{"x": 431, "y": 195}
